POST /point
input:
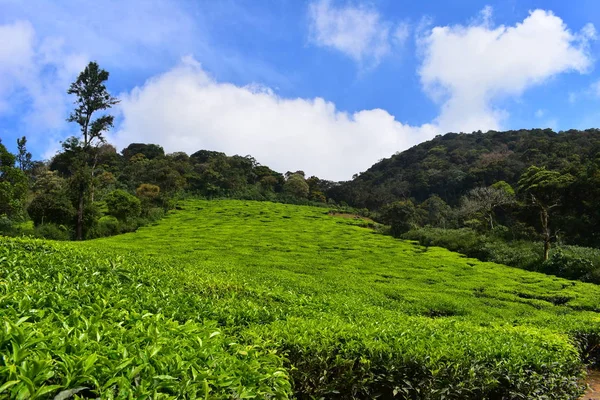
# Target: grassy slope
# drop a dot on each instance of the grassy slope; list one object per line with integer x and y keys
{"x": 300, "y": 251}
{"x": 355, "y": 313}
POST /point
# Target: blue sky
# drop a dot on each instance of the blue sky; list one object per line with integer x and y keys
{"x": 326, "y": 86}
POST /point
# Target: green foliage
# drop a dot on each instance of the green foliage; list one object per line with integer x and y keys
{"x": 123, "y": 205}
{"x": 13, "y": 186}
{"x": 400, "y": 215}
{"x": 91, "y": 97}
{"x": 296, "y": 186}
{"x": 544, "y": 185}
{"x": 352, "y": 313}
{"x": 571, "y": 262}
{"x": 51, "y": 208}
{"x": 436, "y": 213}
{"x": 6, "y": 226}
{"x": 571, "y": 266}
{"x": 149, "y": 151}
{"x": 155, "y": 214}
{"x": 452, "y": 165}
{"x": 23, "y": 156}
{"x": 79, "y": 323}
{"x": 504, "y": 187}
{"x": 107, "y": 226}
{"x": 52, "y": 231}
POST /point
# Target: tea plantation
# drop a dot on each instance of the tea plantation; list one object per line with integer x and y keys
{"x": 235, "y": 299}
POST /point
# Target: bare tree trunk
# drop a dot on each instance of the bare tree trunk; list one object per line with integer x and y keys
{"x": 546, "y": 232}
{"x": 546, "y": 248}
{"x": 80, "y": 206}
{"x": 92, "y": 180}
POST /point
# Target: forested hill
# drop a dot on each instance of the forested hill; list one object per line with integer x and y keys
{"x": 451, "y": 165}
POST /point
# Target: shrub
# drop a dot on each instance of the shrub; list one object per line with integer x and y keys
{"x": 568, "y": 265}
{"x": 107, "y": 226}
{"x": 51, "y": 208}
{"x": 123, "y": 205}
{"x": 155, "y": 213}
{"x": 520, "y": 254}
{"x": 571, "y": 262}
{"x": 400, "y": 215}
{"x": 53, "y": 232}
{"x": 6, "y": 226}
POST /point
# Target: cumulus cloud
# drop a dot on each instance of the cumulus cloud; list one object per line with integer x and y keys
{"x": 356, "y": 31}
{"x": 185, "y": 109}
{"x": 466, "y": 68}
{"x": 127, "y": 34}
{"x": 33, "y": 76}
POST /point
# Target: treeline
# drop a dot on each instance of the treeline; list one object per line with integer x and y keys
{"x": 90, "y": 190}
{"x": 132, "y": 188}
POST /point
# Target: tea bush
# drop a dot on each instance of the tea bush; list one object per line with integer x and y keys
{"x": 571, "y": 262}
{"x": 252, "y": 299}
{"x": 74, "y": 322}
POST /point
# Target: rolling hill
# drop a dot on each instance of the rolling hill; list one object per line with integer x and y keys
{"x": 452, "y": 164}
{"x": 243, "y": 299}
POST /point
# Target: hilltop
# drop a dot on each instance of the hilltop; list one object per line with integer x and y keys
{"x": 450, "y": 165}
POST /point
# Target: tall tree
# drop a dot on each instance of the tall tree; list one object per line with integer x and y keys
{"x": 23, "y": 156}
{"x": 13, "y": 185}
{"x": 485, "y": 201}
{"x": 92, "y": 97}
{"x": 544, "y": 189}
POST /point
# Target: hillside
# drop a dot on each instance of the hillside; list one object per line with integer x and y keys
{"x": 452, "y": 164}
{"x": 239, "y": 299}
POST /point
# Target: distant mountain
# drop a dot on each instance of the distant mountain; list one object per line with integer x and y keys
{"x": 452, "y": 164}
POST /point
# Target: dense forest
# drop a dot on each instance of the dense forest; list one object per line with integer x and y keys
{"x": 131, "y": 188}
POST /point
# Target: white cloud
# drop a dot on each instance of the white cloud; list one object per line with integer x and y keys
{"x": 466, "y": 68}
{"x": 34, "y": 75}
{"x": 357, "y": 31}
{"x": 134, "y": 33}
{"x": 16, "y": 59}
{"x": 185, "y": 109}
{"x": 594, "y": 89}
{"x": 401, "y": 33}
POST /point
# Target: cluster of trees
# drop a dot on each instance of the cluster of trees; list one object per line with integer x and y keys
{"x": 535, "y": 184}
{"x": 89, "y": 189}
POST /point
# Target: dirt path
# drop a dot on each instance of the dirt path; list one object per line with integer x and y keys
{"x": 593, "y": 381}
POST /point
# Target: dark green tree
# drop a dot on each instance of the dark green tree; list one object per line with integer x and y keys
{"x": 13, "y": 186}
{"x": 123, "y": 205}
{"x": 544, "y": 189}
{"x": 23, "y": 156}
{"x": 296, "y": 185}
{"x": 436, "y": 212}
{"x": 51, "y": 203}
{"x": 91, "y": 97}
{"x": 401, "y": 215}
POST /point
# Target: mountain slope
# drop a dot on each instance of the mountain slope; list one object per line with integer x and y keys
{"x": 452, "y": 164}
